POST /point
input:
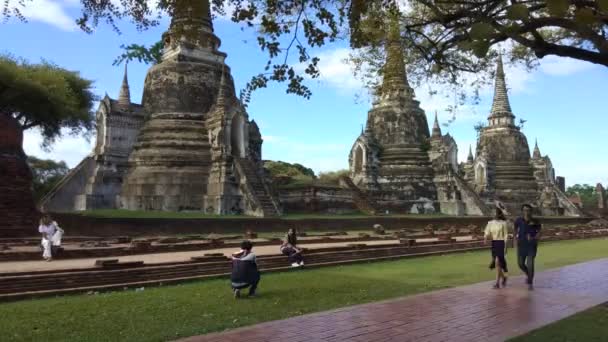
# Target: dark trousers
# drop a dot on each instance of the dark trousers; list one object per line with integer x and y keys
{"x": 526, "y": 254}
{"x": 252, "y": 287}
{"x": 526, "y": 264}
{"x": 293, "y": 255}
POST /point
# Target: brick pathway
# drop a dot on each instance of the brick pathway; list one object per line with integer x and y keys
{"x": 468, "y": 313}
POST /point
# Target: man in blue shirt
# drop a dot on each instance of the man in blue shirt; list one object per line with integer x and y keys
{"x": 527, "y": 233}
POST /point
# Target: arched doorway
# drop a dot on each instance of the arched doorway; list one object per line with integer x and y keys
{"x": 358, "y": 162}
{"x": 237, "y": 136}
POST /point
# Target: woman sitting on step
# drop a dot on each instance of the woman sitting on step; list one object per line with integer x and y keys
{"x": 51, "y": 236}
{"x": 244, "y": 270}
{"x": 290, "y": 249}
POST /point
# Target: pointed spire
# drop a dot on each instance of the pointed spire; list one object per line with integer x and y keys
{"x": 395, "y": 77}
{"x": 536, "y": 154}
{"x": 436, "y": 128}
{"x": 500, "y": 105}
{"x": 124, "y": 97}
{"x": 470, "y": 157}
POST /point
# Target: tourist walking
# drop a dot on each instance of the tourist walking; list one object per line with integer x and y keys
{"x": 527, "y": 234}
{"x": 245, "y": 273}
{"x": 290, "y": 249}
{"x": 51, "y": 236}
{"x": 497, "y": 231}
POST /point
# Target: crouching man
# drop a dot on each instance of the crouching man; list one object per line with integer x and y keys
{"x": 245, "y": 272}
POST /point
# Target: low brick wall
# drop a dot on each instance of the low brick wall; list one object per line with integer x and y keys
{"x": 78, "y": 225}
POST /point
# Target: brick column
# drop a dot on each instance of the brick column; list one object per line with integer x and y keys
{"x": 17, "y": 210}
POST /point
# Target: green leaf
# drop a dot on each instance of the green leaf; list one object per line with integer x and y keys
{"x": 518, "y": 12}
{"x": 481, "y": 30}
{"x": 558, "y": 8}
{"x": 480, "y": 48}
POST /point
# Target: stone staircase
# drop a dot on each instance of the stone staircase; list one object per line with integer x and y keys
{"x": 362, "y": 201}
{"x": 474, "y": 204}
{"x": 112, "y": 274}
{"x": 256, "y": 188}
{"x": 509, "y": 173}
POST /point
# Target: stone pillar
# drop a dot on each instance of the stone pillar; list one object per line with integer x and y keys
{"x": 561, "y": 183}
{"x": 17, "y": 210}
{"x": 601, "y": 196}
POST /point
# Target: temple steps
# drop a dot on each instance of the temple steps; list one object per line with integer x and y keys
{"x": 257, "y": 186}
{"x": 110, "y": 275}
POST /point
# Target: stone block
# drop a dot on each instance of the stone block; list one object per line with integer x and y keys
{"x": 102, "y": 262}
{"x": 379, "y": 229}
{"x": 408, "y": 242}
{"x": 251, "y": 235}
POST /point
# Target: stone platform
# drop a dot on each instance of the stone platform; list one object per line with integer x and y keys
{"x": 19, "y": 280}
{"x": 468, "y": 313}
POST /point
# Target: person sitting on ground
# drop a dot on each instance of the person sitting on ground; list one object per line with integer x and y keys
{"x": 290, "y": 249}
{"x": 51, "y": 236}
{"x": 497, "y": 231}
{"x": 244, "y": 270}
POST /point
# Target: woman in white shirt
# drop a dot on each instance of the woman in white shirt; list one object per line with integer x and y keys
{"x": 497, "y": 231}
{"x": 51, "y": 236}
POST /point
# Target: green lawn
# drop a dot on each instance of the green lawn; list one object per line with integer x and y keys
{"x": 159, "y": 314}
{"x": 587, "y": 326}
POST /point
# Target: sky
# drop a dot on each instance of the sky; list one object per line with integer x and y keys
{"x": 564, "y": 101}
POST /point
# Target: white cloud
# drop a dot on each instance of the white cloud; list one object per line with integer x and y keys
{"x": 561, "y": 66}
{"x": 271, "y": 138}
{"x": 52, "y": 12}
{"x": 71, "y": 149}
{"x": 336, "y": 71}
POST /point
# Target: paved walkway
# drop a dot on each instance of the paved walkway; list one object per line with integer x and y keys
{"x": 468, "y": 313}
{"x": 62, "y": 264}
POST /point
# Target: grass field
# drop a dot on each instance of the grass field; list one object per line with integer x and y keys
{"x": 587, "y": 326}
{"x": 159, "y": 314}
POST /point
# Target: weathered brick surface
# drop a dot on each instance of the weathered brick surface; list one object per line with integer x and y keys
{"x": 17, "y": 211}
{"x": 468, "y": 313}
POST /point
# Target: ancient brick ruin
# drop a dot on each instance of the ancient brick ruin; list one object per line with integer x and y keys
{"x": 17, "y": 208}
{"x": 189, "y": 146}
{"x": 404, "y": 169}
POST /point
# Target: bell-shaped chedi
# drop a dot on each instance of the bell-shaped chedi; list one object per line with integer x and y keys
{"x": 391, "y": 154}
{"x": 17, "y": 209}
{"x": 503, "y": 170}
{"x": 197, "y": 149}
{"x": 502, "y": 164}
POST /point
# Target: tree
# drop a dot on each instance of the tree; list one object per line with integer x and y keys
{"x": 447, "y": 41}
{"x": 332, "y": 177}
{"x": 46, "y": 174}
{"x": 45, "y": 96}
{"x": 587, "y": 192}
{"x": 280, "y": 168}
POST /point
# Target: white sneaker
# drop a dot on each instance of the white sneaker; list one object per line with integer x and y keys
{"x": 302, "y": 263}
{"x": 295, "y": 264}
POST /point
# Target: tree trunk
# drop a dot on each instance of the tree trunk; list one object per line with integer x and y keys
{"x": 18, "y": 214}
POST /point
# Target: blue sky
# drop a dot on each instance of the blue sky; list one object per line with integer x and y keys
{"x": 564, "y": 101}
